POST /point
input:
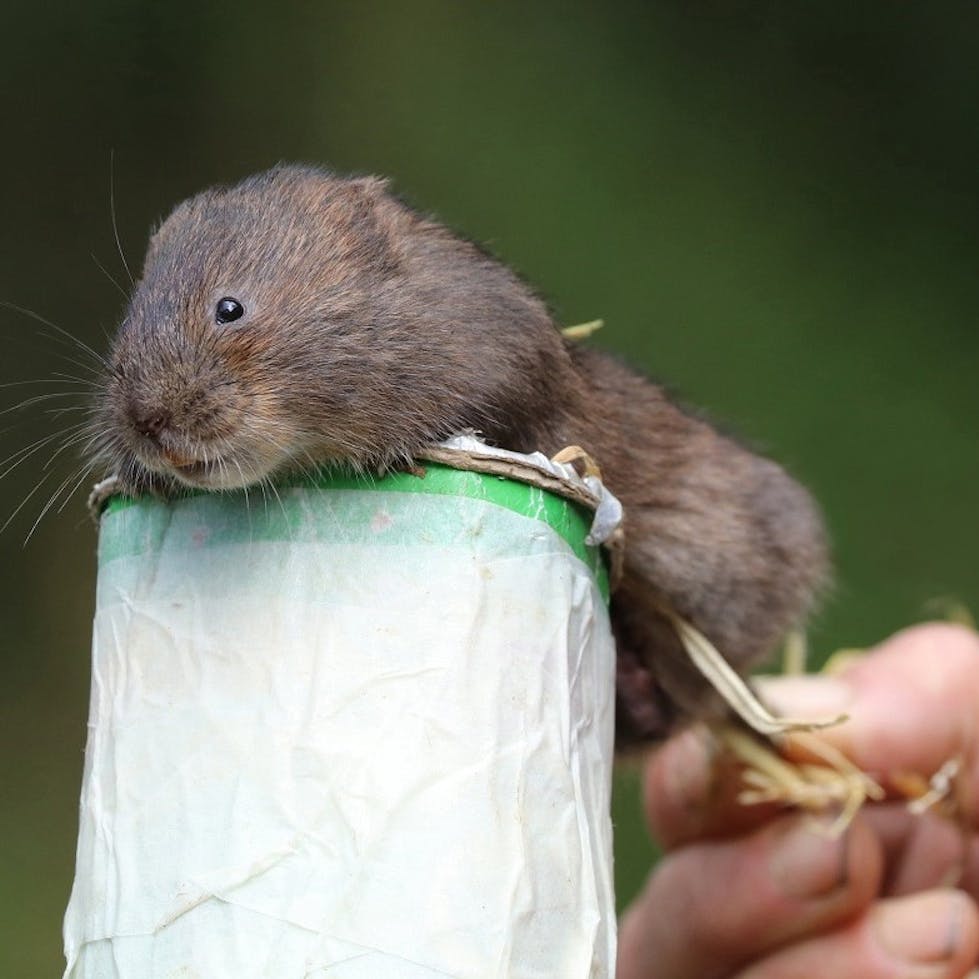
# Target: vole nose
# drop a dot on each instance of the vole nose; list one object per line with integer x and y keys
{"x": 151, "y": 423}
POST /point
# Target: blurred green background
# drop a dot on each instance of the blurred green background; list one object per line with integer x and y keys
{"x": 773, "y": 206}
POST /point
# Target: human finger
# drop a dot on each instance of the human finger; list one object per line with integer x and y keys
{"x": 690, "y": 792}
{"x": 922, "y": 852}
{"x": 712, "y": 906}
{"x": 932, "y": 935}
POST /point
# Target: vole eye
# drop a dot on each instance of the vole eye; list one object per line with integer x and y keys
{"x": 228, "y": 310}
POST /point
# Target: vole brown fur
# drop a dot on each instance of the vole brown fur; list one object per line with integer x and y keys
{"x": 367, "y": 331}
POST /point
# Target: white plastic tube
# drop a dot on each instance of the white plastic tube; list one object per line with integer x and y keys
{"x": 357, "y": 732}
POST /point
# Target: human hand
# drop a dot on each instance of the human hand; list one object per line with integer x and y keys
{"x": 754, "y": 893}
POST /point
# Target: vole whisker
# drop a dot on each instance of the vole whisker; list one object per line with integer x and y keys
{"x": 98, "y": 384}
{"x": 67, "y": 409}
{"x": 24, "y": 501}
{"x": 69, "y": 443}
{"x": 85, "y": 473}
{"x": 244, "y": 487}
{"x": 56, "y": 378}
{"x": 282, "y": 507}
{"x": 112, "y": 212}
{"x": 110, "y": 277}
{"x": 97, "y": 379}
{"x": 93, "y": 434}
{"x": 265, "y": 496}
{"x": 64, "y": 334}
{"x": 54, "y": 496}
{"x": 16, "y": 458}
{"x": 41, "y": 398}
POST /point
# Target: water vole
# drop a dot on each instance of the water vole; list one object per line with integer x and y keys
{"x": 300, "y": 318}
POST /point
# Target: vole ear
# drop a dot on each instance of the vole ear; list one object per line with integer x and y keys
{"x": 342, "y": 195}
{"x": 370, "y": 186}
{"x": 153, "y": 246}
{"x": 159, "y": 234}
{"x": 163, "y": 230}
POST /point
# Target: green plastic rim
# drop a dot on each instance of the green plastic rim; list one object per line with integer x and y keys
{"x": 566, "y": 518}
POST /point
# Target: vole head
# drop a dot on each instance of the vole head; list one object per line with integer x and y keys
{"x": 299, "y": 318}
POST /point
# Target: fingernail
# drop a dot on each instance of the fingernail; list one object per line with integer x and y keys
{"x": 806, "y": 697}
{"x": 923, "y": 928}
{"x": 689, "y": 774}
{"x": 808, "y": 864}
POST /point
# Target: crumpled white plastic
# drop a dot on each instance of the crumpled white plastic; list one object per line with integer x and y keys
{"x": 348, "y": 734}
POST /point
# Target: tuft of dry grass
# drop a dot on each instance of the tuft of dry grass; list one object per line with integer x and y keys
{"x": 829, "y": 783}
